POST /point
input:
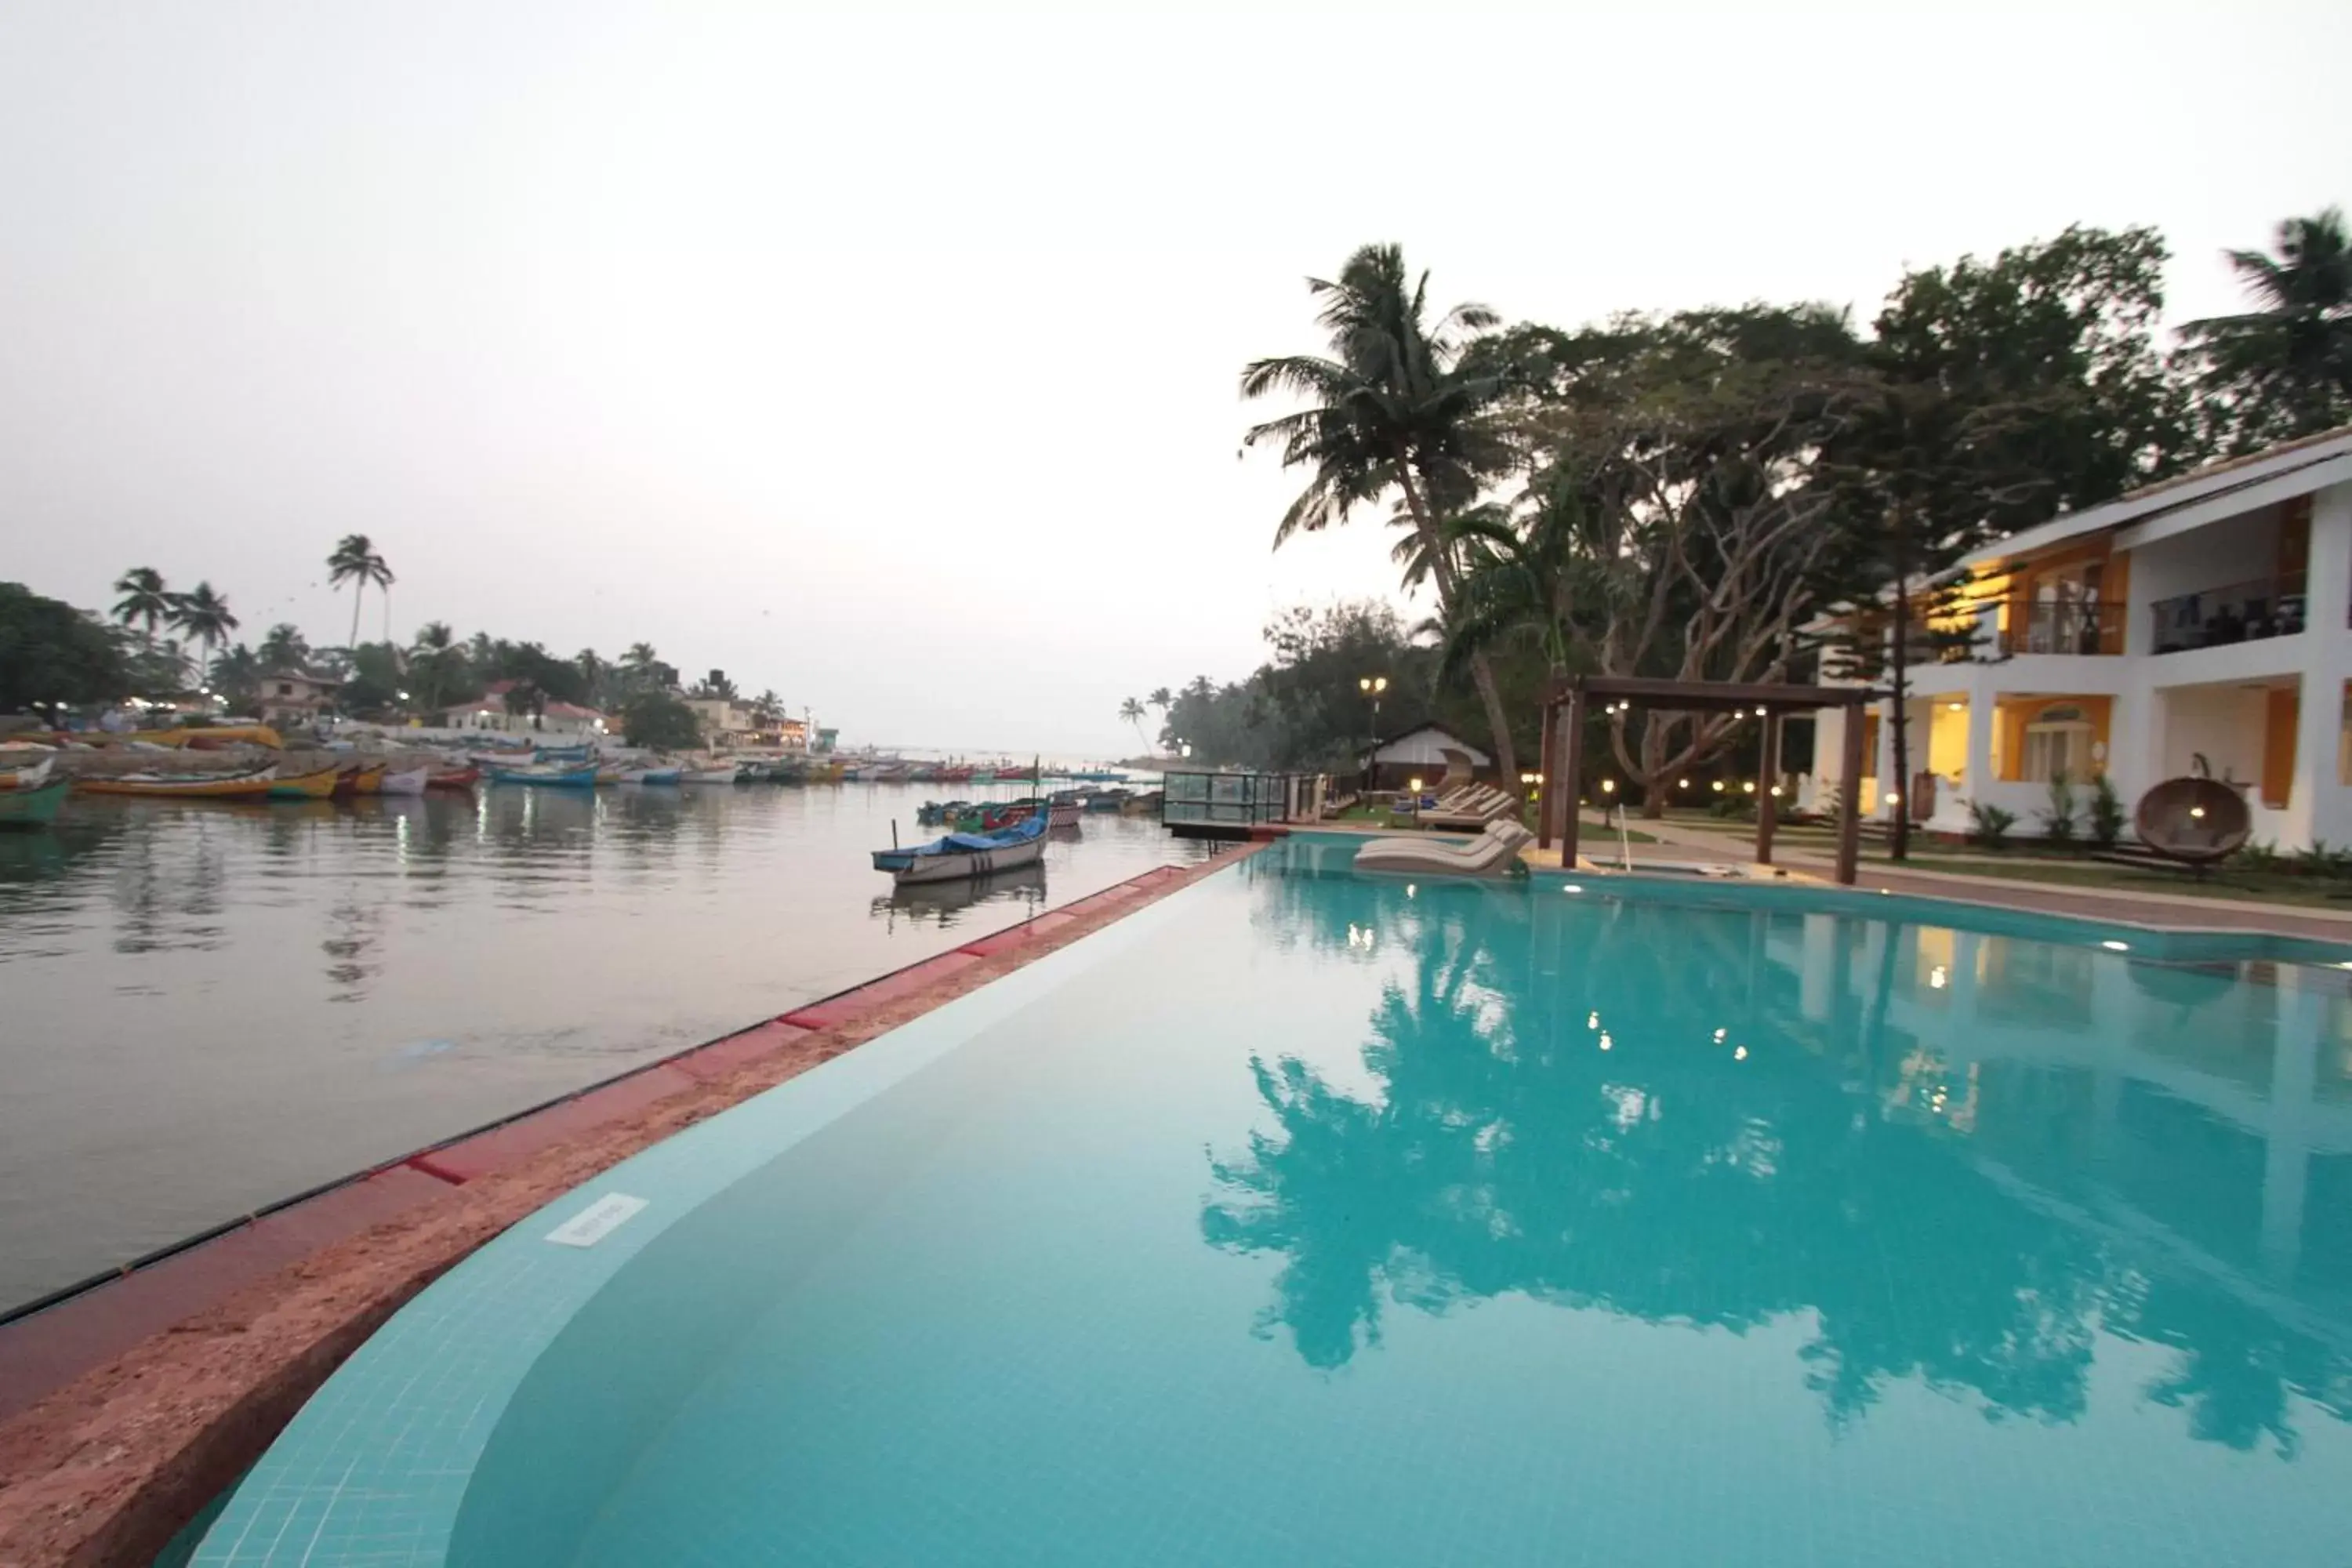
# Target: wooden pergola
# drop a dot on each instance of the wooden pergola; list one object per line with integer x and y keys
{"x": 1563, "y": 748}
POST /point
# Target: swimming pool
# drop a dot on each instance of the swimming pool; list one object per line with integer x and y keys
{"x": 1305, "y": 1217}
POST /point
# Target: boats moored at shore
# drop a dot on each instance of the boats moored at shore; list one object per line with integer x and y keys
{"x": 254, "y": 784}
{"x": 960, "y": 857}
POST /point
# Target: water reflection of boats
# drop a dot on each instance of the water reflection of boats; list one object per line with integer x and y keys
{"x": 943, "y": 901}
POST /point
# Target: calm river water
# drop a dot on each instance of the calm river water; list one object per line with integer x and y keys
{"x": 207, "y": 1007}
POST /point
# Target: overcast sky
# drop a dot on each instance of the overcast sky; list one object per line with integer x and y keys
{"x": 888, "y": 359}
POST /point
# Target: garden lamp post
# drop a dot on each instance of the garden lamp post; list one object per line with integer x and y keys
{"x": 1371, "y": 685}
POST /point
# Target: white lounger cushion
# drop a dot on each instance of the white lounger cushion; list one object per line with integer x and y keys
{"x": 1494, "y": 851}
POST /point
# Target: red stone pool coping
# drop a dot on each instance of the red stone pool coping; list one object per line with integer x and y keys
{"x": 126, "y": 1407}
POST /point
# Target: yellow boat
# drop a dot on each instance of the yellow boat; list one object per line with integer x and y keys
{"x": 316, "y": 786}
{"x": 368, "y": 780}
{"x": 192, "y": 786}
{"x": 210, "y": 735}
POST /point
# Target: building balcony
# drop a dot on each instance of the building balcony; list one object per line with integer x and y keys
{"x": 2235, "y": 613}
{"x": 2062, "y": 628}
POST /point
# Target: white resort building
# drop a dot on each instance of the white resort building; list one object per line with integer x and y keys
{"x": 2201, "y": 623}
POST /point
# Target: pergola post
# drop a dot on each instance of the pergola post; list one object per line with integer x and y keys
{"x": 1849, "y": 843}
{"x": 1546, "y": 784}
{"x": 1571, "y": 768}
{"x": 1767, "y": 798}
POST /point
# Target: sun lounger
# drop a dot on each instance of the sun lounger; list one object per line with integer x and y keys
{"x": 1485, "y": 806}
{"x": 1493, "y": 853}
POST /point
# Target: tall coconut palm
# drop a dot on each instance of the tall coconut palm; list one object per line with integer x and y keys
{"x": 1131, "y": 712}
{"x": 145, "y": 603}
{"x": 2284, "y": 368}
{"x": 1391, "y": 408}
{"x": 204, "y": 617}
{"x": 357, "y": 562}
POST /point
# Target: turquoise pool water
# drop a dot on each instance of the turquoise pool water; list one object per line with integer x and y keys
{"x": 1311, "y": 1218}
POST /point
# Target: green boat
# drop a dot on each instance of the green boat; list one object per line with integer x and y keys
{"x": 34, "y": 807}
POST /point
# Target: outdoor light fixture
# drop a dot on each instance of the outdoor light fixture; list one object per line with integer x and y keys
{"x": 1954, "y": 707}
{"x": 1749, "y": 787}
{"x": 1892, "y": 798}
{"x": 1719, "y": 786}
{"x": 1608, "y": 786}
{"x": 2196, "y": 811}
{"x": 1416, "y": 785}
{"x": 1682, "y": 784}
{"x": 1373, "y": 683}
{"x": 1776, "y": 792}
{"x": 1759, "y": 713}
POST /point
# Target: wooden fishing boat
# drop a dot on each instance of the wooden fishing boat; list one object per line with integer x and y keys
{"x": 984, "y": 776}
{"x": 411, "y": 782}
{"x": 1146, "y": 804}
{"x": 651, "y": 775}
{"x": 1106, "y": 799}
{"x": 1061, "y": 810}
{"x": 611, "y": 776}
{"x": 252, "y": 785}
{"x": 35, "y": 806}
{"x": 453, "y": 778}
{"x": 209, "y": 737}
{"x": 581, "y": 776}
{"x": 317, "y": 786}
{"x": 367, "y": 780}
{"x": 960, "y": 857}
{"x": 723, "y": 775}
{"x": 34, "y": 777}
{"x": 960, "y": 773}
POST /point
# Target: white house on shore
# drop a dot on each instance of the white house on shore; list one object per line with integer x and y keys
{"x": 2202, "y": 621}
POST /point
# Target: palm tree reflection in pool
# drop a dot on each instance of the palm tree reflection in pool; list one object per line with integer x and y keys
{"x": 1826, "y": 1171}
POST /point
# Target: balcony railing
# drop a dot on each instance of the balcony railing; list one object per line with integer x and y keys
{"x": 2238, "y": 612}
{"x": 2075, "y": 628}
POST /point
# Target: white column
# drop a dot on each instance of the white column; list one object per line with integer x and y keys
{"x": 2319, "y": 806}
{"x": 1983, "y": 717}
{"x": 1881, "y": 766}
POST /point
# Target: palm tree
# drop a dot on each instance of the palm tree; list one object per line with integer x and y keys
{"x": 767, "y": 710}
{"x": 2283, "y": 369}
{"x": 1390, "y": 408}
{"x": 357, "y": 562}
{"x": 283, "y": 648}
{"x": 146, "y": 601}
{"x": 202, "y": 616}
{"x": 594, "y": 674}
{"x": 1131, "y": 712}
{"x": 433, "y": 660}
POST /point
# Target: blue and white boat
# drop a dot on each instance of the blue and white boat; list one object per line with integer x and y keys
{"x": 582, "y": 776}
{"x": 651, "y": 775}
{"x": 960, "y": 857}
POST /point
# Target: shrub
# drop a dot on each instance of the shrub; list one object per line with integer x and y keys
{"x": 2107, "y": 813}
{"x": 2058, "y": 821}
{"x": 2256, "y": 858}
{"x": 1989, "y": 825}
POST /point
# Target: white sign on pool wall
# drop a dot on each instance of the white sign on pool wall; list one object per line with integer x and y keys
{"x": 597, "y": 1221}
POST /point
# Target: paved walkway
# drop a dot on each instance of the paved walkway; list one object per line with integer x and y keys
{"x": 2185, "y": 911}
